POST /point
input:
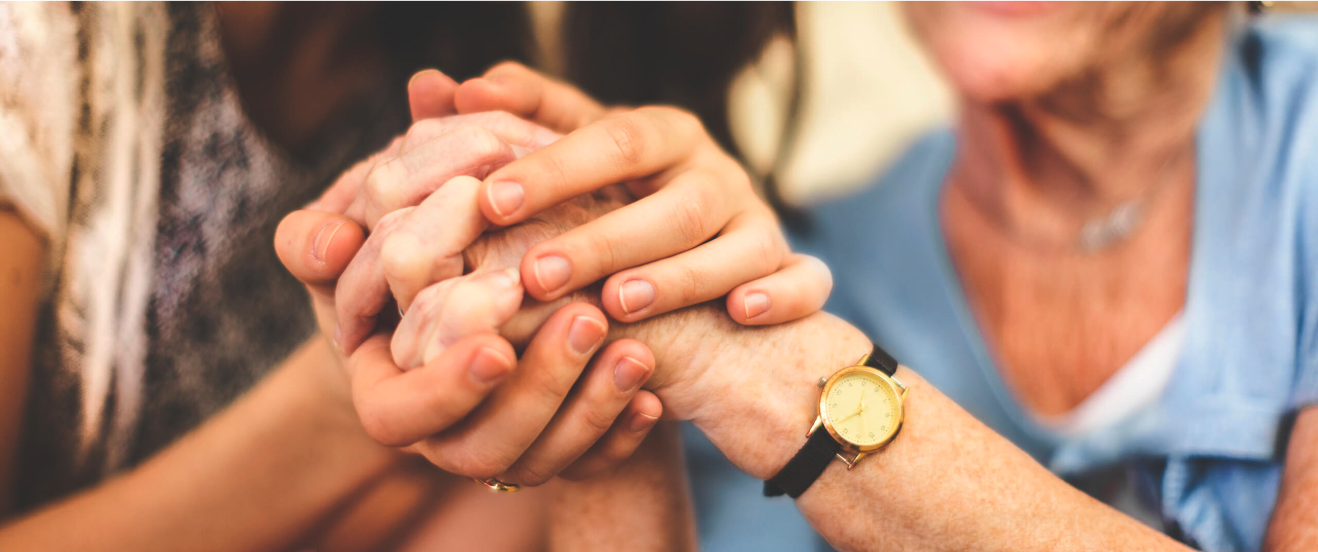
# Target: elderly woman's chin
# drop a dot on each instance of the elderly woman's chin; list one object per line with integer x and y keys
{"x": 990, "y": 65}
{"x": 997, "y": 75}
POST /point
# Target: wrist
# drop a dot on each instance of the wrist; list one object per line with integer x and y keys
{"x": 752, "y": 390}
{"x": 321, "y": 396}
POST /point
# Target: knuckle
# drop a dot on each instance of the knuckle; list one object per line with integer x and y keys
{"x": 530, "y": 474}
{"x": 689, "y": 284}
{"x": 422, "y": 131}
{"x": 477, "y": 463}
{"x": 375, "y": 184}
{"x": 689, "y": 218}
{"x": 597, "y": 421}
{"x": 427, "y": 296}
{"x": 390, "y": 223}
{"x": 617, "y": 451}
{"x": 479, "y": 143}
{"x": 430, "y": 301}
{"x": 553, "y": 172}
{"x": 766, "y": 250}
{"x": 384, "y": 184}
{"x": 555, "y": 378}
{"x": 605, "y": 253}
{"x": 394, "y": 259}
{"x": 517, "y": 130}
{"x": 628, "y": 142}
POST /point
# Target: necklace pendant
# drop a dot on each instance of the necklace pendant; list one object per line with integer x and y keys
{"x": 1101, "y": 233}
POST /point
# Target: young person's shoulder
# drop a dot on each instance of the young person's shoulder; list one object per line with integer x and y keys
{"x": 38, "y": 109}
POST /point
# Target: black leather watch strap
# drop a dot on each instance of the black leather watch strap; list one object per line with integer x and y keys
{"x": 880, "y": 359}
{"x": 820, "y": 449}
{"x": 804, "y": 468}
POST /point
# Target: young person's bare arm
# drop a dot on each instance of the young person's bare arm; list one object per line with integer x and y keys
{"x": 20, "y": 287}
{"x": 259, "y": 476}
{"x": 256, "y": 477}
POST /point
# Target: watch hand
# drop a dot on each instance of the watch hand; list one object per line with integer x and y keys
{"x": 848, "y": 417}
{"x": 862, "y": 399}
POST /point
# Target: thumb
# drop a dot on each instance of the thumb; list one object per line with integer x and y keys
{"x": 430, "y": 94}
{"x": 316, "y": 246}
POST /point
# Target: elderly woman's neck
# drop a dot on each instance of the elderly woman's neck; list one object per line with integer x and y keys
{"x": 1106, "y": 137}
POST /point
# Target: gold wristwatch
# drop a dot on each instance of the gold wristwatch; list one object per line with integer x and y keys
{"x": 860, "y": 411}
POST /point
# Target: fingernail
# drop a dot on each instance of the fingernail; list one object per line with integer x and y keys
{"x": 552, "y": 272}
{"x": 508, "y": 277}
{"x": 629, "y": 374}
{"x": 419, "y": 74}
{"x": 338, "y": 337}
{"x": 324, "y": 237}
{"x": 506, "y": 197}
{"x": 585, "y": 335}
{"x": 635, "y": 295}
{"x": 756, "y": 304}
{"x": 641, "y": 422}
{"x": 489, "y": 366}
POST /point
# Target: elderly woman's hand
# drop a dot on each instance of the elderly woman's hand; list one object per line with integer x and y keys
{"x": 448, "y": 387}
{"x": 531, "y": 427}
{"x": 465, "y": 401}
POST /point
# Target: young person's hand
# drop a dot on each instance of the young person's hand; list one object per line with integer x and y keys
{"x": 464, "y": 400}
{"x": 696, "y": 233}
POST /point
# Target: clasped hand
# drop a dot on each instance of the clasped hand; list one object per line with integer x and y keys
{"x": 489, "y": 225}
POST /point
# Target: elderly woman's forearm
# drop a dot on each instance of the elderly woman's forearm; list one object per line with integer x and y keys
{"x": 946, "y": 482}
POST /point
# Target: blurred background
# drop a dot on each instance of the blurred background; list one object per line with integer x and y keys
{"x": 868, "y": 91}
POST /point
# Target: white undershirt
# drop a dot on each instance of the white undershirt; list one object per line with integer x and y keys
{"x": 1133, "y": 387}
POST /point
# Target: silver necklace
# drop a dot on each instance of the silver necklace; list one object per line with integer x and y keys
{"x": 1105, "y": 231}
{"x": 1101, "y": 232}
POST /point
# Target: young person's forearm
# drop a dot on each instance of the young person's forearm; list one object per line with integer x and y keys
{"x": 21, "y": 271}
{"x": 258, "y": 476}
{"x": 946, "y": 482}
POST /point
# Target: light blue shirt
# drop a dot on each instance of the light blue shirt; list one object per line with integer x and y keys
{"x": 1209, "y": 452}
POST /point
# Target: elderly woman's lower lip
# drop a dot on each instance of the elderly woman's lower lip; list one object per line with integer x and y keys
{"x": 1015, "y": 8}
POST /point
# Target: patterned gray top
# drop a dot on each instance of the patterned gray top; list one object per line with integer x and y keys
{"x": 122, "y": 137}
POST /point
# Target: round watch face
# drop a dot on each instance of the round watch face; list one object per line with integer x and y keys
{"x": 861, "y": 408}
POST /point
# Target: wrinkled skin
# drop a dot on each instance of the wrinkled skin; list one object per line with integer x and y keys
{"x": 435, "y": 321}
{"x": 439, "y": 315}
